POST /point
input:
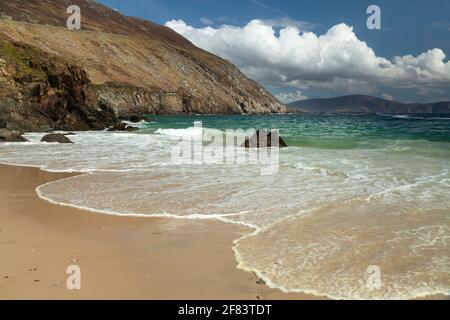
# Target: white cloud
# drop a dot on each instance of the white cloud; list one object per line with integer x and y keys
{"x": 206, "y": 20}
{"x": 291, "y": 96}
{"x": 387, "y": 96}
{"x": 335, "y": 60}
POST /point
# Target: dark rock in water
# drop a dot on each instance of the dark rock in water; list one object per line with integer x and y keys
{"x": 120, "y": 126}
{"x": 7, "y": 135}
{"x": 56, "y": 137}
{"x": 135, "y": 118}
{"x": 70, "y": 134}
{"x": 123, "y": 127}
{"x": 257, "y": 141}
{"x": 281, "y": 142}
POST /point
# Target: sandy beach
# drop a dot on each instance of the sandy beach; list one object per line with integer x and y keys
{"x": 119, "y": 257}
{"x": 222, "y": 152}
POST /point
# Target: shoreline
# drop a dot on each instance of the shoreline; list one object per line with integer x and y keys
{"x": 120, "y": 257}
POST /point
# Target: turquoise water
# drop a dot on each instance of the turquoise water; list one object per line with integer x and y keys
{"x": 328, "y": 131}
{"x": 352, "y": 192}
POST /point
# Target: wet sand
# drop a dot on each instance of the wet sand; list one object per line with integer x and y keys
{"x": 119, "y": 257}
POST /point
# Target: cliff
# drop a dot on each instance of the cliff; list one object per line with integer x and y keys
{"x": 116, "y": 65}
{"x": 39, "y": 92}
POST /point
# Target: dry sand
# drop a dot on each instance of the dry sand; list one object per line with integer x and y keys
{"x": 119, "y": 257}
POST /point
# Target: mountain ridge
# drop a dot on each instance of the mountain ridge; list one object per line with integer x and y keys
{"x": 131, "y": 66}
{"x": 367, "y": 104}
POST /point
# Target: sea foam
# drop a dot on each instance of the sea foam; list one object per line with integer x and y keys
{"x": 318, "y": 224}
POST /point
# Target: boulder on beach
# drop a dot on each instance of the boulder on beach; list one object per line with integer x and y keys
{"x": 257, "y": 141}
{"x": 56, "y": 137}
{"x": 7, "y": 135}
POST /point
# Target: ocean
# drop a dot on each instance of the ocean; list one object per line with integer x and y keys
{"x": 355, "y": 198}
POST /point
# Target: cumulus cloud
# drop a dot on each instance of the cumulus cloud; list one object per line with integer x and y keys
{"x": 291, "y": 96}
{"x": 298, "y": 58}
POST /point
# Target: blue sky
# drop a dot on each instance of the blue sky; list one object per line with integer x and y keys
{"x": 408, "y": 28}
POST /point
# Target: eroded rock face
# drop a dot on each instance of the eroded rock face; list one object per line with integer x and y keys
{"x": 56, "y": 137}
{"x": 40, "y": 92}
{"x": 43, "y": 93}
{"x": 7, "y": 135}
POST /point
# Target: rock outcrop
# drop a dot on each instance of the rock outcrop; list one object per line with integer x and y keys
{"x": 134, "y": 118}
{"x": 120, "y": 126}
{"x": 40, "y": 92}
{"x": 56, "y": 137}
{"x": 11, "y": 136}
{"x": 54, "y": 78}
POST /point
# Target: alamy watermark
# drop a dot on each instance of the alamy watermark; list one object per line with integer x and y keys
{"x": 374, "y": 20}
{"x": 74, "y": 20}
{"x": 230, "y": 147}
{"x": 374, "y": 278}
{"x": 73, "y": 282}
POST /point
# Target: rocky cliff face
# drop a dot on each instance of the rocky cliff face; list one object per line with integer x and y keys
{"x": 40, "y": 93}
{"x": 114, "y": 65}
